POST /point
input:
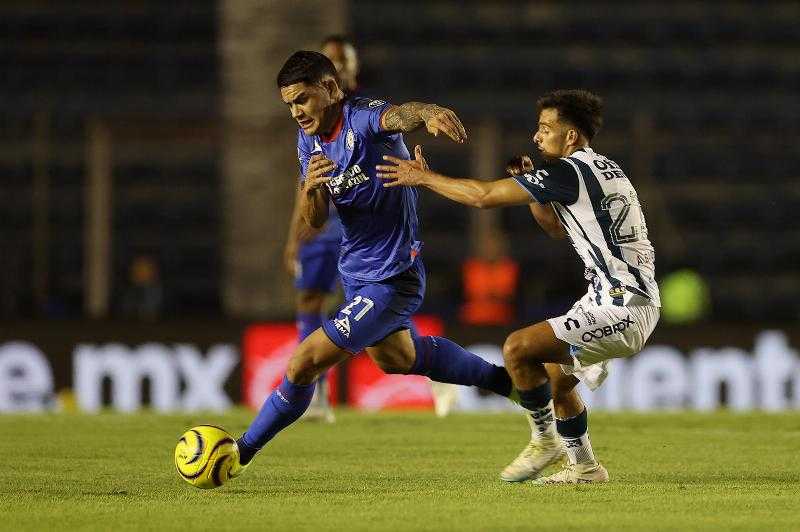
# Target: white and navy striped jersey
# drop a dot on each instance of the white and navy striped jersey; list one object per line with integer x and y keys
{"x": 600, "y": 210}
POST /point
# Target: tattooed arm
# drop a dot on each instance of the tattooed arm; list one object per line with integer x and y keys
{"x": 413, "y": 115}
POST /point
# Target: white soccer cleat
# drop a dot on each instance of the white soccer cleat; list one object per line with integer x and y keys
{"x": 576, "y": 474}
{"x": 539, "y": 454}
{"x": 445, "y": 397}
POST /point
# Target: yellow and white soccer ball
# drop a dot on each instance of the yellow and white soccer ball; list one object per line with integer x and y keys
{"x": 204, "y": 456}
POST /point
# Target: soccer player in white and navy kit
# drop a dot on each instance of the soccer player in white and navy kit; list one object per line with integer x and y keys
{"x": 580, "y": 194}
{"x": 340, "y": 142}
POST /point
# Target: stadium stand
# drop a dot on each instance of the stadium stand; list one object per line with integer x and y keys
{"x": 149, "y": 71}
{"x": 716, "y": 86}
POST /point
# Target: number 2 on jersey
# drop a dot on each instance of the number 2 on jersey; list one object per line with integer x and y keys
{"x": 617, "y": 228}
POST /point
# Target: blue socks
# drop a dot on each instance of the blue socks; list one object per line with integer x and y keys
{"x": 437, "y": 358}
{"x": 282, "y": 408}
{"x": 445, "y": 361}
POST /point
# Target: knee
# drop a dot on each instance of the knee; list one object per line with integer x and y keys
{"x": 396, "y": 363}
{"x": 301, "y": 369}
{"x": 391, "y": 367}
{"x": 515, "y": 350}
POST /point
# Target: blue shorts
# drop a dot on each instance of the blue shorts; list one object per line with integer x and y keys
{"x": 318, "y": 271}
{"x": 374, "y": 310}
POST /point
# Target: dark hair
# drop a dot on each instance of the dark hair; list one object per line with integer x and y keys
{"x": 336, "y": 39}
{"x": 580, "y": 108}
{"x": 306, "y": 66}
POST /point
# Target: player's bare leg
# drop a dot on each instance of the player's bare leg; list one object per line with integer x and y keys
{"x": 315, "y": 355}
{"x": 395, "y": 353}
{"x": 545, "y": 447}
{"x": 310, "y": 304}
{"x": 534, "y": 384}
{"x": 532, "y": 357}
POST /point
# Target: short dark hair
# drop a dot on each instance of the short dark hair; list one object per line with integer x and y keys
{"x": 580, "y": 108}
{"x": 337, "y": 38}
{"x": 305, "y": 66}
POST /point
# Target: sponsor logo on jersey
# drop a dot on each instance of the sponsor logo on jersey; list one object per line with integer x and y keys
{"x": 375, "y": 103}
{"x": 647, "y": 257}
{"x": 617, "y": 291}
{"x": 343, "y": 326}
{"x": 536, "y": 179}
{"x": 349, "y": 178}
{"x": 608, "y": 330}
{"x": 350, "y": 141}
{"x": 590, "y": 318}
{"x": 570, "y": 322}
{"x": 608, "y": 169}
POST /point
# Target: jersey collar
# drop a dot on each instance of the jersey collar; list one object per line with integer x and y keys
{"x": 337, "y": 129}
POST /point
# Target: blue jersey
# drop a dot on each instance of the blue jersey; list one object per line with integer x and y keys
{"x": 380, "y": 226}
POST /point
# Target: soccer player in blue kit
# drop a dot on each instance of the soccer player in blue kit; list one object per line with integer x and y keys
{"x": 311, "y": 255}
{"x": 340, "y": 141}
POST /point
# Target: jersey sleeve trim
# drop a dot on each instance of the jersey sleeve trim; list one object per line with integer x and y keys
{"x": 557, "y": 182}
{"x": 518, "y": 179}
{"x": 368, "y": 114}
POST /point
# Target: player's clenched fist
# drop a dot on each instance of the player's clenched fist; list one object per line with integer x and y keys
{"x": 519, "y": 165}
{"x": 318, "y": 167}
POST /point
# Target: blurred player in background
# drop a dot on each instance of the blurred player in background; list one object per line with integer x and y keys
{"x": 586, "y": 196}
{"x": 340, "y": 141}
{"x": 311, "y": 255}
{"x": 342, "y": 53}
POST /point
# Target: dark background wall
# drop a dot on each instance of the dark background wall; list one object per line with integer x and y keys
{"x": 701, "y": 110}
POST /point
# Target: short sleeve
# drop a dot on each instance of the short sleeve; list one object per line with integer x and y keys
{"x": 367, "y": 114}
{"x": 303, "y": 155}
{"x": 555, "y": 182}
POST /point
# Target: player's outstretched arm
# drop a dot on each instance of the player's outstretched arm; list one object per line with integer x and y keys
{"x": 472, "y": 192}
{"x": 314, "y": 196}
{"x": 545, "y": 215}
{"x": 413, "y": 115}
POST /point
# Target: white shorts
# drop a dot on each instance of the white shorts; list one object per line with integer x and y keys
{"x": 599, "y": 333}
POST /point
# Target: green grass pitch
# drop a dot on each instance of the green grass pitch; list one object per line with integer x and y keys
{"x": 401, "y": 471}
